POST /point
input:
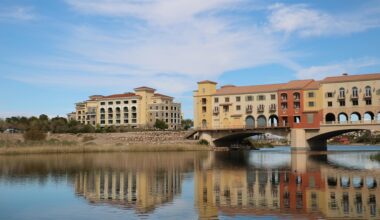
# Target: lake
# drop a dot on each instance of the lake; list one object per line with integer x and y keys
{"x": 266, "y": 184}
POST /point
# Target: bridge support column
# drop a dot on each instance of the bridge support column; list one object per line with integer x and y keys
{"x": 300, "y": 142}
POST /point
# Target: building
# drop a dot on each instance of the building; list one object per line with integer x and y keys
{"x": 295, "y": 104}
{"x": 139, "y": 109}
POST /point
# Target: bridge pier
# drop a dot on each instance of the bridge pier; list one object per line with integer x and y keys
{"x": 300, "y": 141}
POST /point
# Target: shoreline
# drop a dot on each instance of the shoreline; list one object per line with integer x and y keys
{"x": 62, "y": 149}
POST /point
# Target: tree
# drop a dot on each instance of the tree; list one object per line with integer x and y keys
{"x": 160, "y": 124}
{"x": 187, "y": 124}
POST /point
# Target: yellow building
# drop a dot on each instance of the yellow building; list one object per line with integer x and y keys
{"x": 139, "y": 109}
{"x": 295, "y": 104}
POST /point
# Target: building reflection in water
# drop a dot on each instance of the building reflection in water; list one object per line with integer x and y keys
{"x": 130, "y": 189}
{"x": 310, "y": 189}
{"x": 225, "y": 183}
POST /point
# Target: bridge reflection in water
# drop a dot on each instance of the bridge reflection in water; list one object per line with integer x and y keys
{"x": 256, "y": 183}
{"x": 321, "y": 190}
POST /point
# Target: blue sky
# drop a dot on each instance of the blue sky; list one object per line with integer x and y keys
{"x": 56, "y": 53}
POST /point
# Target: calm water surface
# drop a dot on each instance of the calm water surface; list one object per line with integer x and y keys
{"x": 265, "y": 184}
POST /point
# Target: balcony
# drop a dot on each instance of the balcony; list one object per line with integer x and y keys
{"x": 248, "y": 110}
{"x": 341, "y": 97}
{"x": 284, "y": 100}
{"x": 367, "y": 96}
{"x": 272, "y": 108}
{"x": 260, "y": 109}
{"x": 216, "y": 111}
{"x": 354, "y": 97}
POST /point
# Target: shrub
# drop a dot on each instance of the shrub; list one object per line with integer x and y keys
{"x": 203, "y": 142}
{"x": 34, "y": 135}
{"x": 160, "y": 124}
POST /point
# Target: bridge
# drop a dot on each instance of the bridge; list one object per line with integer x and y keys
{"x": 314, "y": 139}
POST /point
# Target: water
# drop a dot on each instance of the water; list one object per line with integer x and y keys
{"x": 266, "y": 184}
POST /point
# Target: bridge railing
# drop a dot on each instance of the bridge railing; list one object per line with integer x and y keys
{"x": 359, "y": 122}
{"x": 242, "y": 127}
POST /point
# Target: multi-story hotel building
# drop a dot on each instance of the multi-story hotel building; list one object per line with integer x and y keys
{"x": 139, "y": 109}
{"x": 295, "y": 104}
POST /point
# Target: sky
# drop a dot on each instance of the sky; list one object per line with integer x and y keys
{"x": 56, "y": 53}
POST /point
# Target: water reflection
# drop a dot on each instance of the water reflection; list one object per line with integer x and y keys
{"x": 257, "y": 183}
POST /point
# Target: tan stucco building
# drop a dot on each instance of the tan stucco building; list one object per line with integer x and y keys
{"x": 139, "y": 109}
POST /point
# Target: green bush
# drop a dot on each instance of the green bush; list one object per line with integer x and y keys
{"x": 160, "y": 124}
{"x": 203, "y": 142}
{"x": 34, "y": 135}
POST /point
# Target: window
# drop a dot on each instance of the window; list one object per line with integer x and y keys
{"x": 297, "y": 105}
{"x": 310, "y": 118}
{"x": 204, "y": 109}
{"x": 238, "y": 108}
{"x": 354, "y": 92}
{"x": 311, "y": 104}
{"x": 311, "y": 94}
{"x": 355, "y": 102}
{"x": 284, "y": 106}
{"x": 261, "y": 97}
{"x": 125, "y": 102}
{"x": 216, "y": 100}
{"x": 273, "y": 96}
{"x": 249, "y": 98}
{"x": 204, "y": 101}
{"x": 368, "y": 91}
{"x": 110, "y": 103}
{"x": 329, "y": 104}
{"x": 297, "y": 119}
{"x": 134, "y": 101}
{"x": 203, "y": 90}
{"x": 102, "y": 103}
{"x": 117, "y": 102}
{"x": 225, "y": 108}
{"x": 296, "y": 96}
{"x": 156, "y": 107}
{"x": 284, "y": 97}
{"x": 342, "y": 103}
{"x": 330, "y": 94}
{"x": 368, "y": 102}
{"x": 227, "y": 99}
{"x": 238, "y": 98}
{"x": 342, "y": 93}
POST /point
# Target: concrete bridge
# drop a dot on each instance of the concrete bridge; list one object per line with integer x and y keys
{"x": 301, "y": 139}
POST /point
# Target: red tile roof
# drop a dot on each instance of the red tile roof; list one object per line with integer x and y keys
{"x": 349, "y": 78}
{"x": 207, "y": 81}
{"x": 161, "y": 95}
{"x": 124, "y": 95}
{"x": 248, "y": 89}
{"x": 144, "y": 88}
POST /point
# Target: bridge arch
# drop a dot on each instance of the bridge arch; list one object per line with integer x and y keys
{"x": 342, "y": 117}
{"x": 330, "y": 118}
{"x": 319, "y": 142}
{"x": 250, "y": 121}
{"x": 273, "y": 121}
{"x": 261, "y": 121}
{"x": 369, "y": 116}
{"x": 355, "y": 117}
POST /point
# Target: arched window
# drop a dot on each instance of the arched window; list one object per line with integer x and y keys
{"x": 102, "y": 111}
{"x": 354, "y": 92}
{"x": 249, "y": 122}
{"x": 342, "y": 92}
{"x": 368, "y": 91}
{"x": 296, "y": 96}
{"x": 204, "y": 123}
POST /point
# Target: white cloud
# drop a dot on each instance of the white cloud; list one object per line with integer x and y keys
{"x": 306, "y": 21}
{"x": 348, "y": 66}
{"x": 17, "y": 13}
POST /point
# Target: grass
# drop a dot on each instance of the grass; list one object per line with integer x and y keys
{"x": 68, "y": 147}
{"x": 375, "y": 157}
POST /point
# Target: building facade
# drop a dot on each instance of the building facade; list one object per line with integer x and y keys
{"x": 139, "y": 109}
{"x": 295, "y": 104}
